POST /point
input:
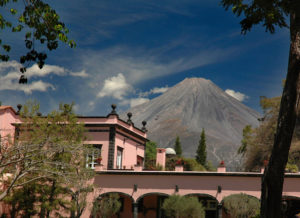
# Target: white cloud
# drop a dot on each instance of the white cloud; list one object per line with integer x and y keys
{"x": 9, "y": 81}
{"x": 10, "y": 74}
{"x": 116, "y": 87}
{"x": 155, "y": 90}
{"x": 27, "y": 88}
{"x": 34, "y": 70}
{"x": 138, "y": 101}
{"x": 9, "y": 64}
{"x": 79, "y": 74}
{"x": 237, "y": 95}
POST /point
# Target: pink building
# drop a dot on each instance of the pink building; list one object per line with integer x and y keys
{"x": 118, "y": 143}
{"x": 121, "y": 147}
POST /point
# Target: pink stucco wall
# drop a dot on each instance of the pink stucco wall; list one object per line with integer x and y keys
{"x": 112, "y": 119}
{"x": 189, "y": 183}
{"x": 132, "y": 147}
{"x": 99, "y": 138}
{"x": 7, "y": 118}
{"x": 128, "y": 137}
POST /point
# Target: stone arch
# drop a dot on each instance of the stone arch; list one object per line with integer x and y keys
{"x": 120, "y": 193}
{"x": 126, "y": 200}
{"x": 202, "y": 194}
{"x": 149, "y": 204}
{"x": 290, "y": 205}
{"x": 151, "y": 193}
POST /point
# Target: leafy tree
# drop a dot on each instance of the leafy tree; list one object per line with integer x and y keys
{"x": 38, "y": 198}
{"x": 107, "y": 206}
{"x": 78, "y": 191}
{"x": 150, "y": 155}
{"x": 48, "y": 152}
{"x": 42, "y": 27}
{"x": 257, "y": 143}
{"x": 183, "y": 207}
{"x": 23, "y": 200}
{"x": 241, "y": 205}
{"x": 245, "y": 141}
{"x": 201, "y": 150}
{"x": 272, "y": 14}
{"x": 177, "y": 147}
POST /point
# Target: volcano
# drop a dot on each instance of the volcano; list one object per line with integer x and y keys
{"x": 189, "y": 106}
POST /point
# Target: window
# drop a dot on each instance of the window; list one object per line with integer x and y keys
{"x": 119, "y": 157}
{"x": 91, "y": 158}
{"x": 139, "y": 160}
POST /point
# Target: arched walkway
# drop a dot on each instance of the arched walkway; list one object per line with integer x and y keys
{"x": 149, "y": 205}
{"x": 209, "y": 202}
{"x": 139, "y": 184}
{"x": 126, "y": 201}
{"x": 291, "y": 206}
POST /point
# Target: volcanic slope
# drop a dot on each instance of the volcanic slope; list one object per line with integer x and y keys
{"x": 191, "y": 105}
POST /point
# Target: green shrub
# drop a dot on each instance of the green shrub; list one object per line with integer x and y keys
{"x": 177, "y": 206}
{"x": 210, "y": 167}
{"x": 291, "y": 168}
{"x": 107, "y": 206}
{"x": 241, "y": 206}
{"x": 192, "y": 165}
{"x": 189, "y": 164}
{"x": 170, "y": 163}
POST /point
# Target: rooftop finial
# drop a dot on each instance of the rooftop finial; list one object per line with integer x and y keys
{"x": 113, "y": 111}
{"x": 144, "y": 126}
{"x": 129, "y": 121}
{"x": 19, "y": 106}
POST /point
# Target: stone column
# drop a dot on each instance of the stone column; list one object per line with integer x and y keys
{"x": 111, "y": 148}
{"x": 135, "y": 210}
{"x": 220, "y": 207}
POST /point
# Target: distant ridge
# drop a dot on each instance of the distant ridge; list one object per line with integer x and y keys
{"x": 191, "y": 105}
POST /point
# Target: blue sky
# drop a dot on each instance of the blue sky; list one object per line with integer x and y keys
{"x": 130, "y": 51}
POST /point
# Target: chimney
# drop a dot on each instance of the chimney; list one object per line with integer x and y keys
{"x": 161, "y": 157}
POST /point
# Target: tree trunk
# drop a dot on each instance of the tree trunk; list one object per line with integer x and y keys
{"x": 272, "y": 181}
